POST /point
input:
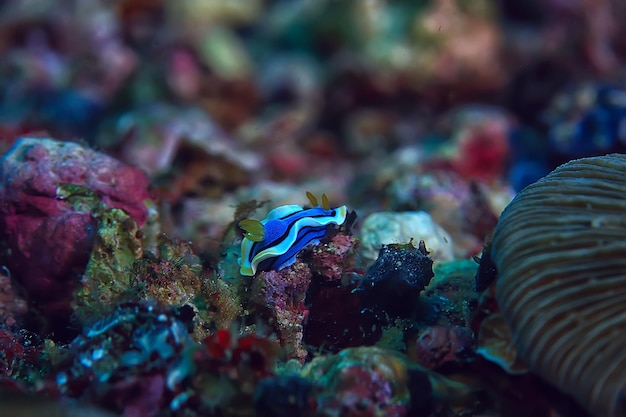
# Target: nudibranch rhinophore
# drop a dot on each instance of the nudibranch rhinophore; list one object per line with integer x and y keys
{"x": 274, "y": 242}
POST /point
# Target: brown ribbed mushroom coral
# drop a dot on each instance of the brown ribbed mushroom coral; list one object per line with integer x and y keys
{"x": 560, "y": 251}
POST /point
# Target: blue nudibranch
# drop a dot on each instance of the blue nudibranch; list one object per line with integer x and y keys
{"x": 274, "y": 242}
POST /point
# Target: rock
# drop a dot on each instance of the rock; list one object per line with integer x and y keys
{"x": 393, "y": 283}
{"x": 386, "y": 228}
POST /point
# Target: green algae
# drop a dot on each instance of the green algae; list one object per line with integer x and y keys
{"x": 106, "y": 280}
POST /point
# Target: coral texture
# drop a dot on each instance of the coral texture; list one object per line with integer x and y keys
{"x": 281, "y": 294}
{"x": 559, "y": 250}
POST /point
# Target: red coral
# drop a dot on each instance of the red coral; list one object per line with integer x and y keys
{"x": 19, "y": 356}
{"x": 245, "y": 359}
{"x": 218, "y": 345}
{"x": 483, "y": 149}
{"x": 11, "y": 350}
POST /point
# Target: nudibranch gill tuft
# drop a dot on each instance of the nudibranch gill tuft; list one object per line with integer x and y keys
{"x": 274, "y": 242}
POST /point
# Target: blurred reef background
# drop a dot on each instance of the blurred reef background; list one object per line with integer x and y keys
{"x": 136, "y": 135}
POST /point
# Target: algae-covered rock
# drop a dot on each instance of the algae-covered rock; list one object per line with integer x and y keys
{"x": 450, "y": 296}
{"x": 55, "y": 198}
{"x": 392, "y": 285}
{"x": 361, "y": 381}
{"x": 107, "y": 277}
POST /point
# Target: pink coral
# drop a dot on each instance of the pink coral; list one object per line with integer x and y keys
{"x": 51, "y": 192}
{"x": 329, "y": 261}
{"x": 282, "y": 294}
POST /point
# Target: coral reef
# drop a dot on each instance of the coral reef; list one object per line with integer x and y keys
{"x": 451, "y": 279}
{"x": 231, "y": 367}
{"x": 483, "y": 144}
{"x": 285, "y": 297}
{"x": 135, "y": 357}
{"x": 467, "y": 209}
{"x": 141, "y": 138}
{"x": 336, "y": 320}
{"x": 16, "y": 356}
{"x": 141, "y": 359}
{"x": 585, "y": 120}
